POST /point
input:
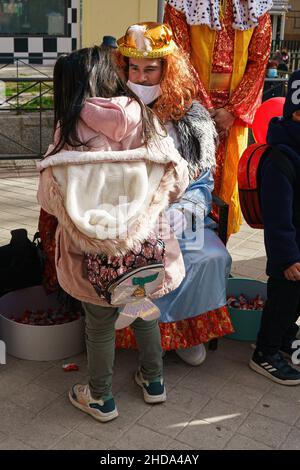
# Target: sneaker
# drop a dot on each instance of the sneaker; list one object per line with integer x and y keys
{"x": 154, "y": 392}
{"x": 102, "y": 409}
{"x": 193, "y": 356}
{"x": 274, "y": 367}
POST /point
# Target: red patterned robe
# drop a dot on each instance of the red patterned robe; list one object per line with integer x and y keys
{"x": 242, "y": 102}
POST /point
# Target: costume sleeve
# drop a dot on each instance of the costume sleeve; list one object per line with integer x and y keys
{"x": 197, "y": 200}
{"x": 176, "y": 20}
{"x": 247, "y": 96}
{"x": 277, "y": 209}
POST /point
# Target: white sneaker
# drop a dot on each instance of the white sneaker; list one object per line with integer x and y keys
{"x": 193, "y": 356}
{"x": 102, "y": 410}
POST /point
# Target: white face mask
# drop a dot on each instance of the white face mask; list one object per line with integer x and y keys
{"x": 147, "y": 94}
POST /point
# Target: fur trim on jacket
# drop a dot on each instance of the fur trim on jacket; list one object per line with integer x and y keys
{"x": 198, "y": 138}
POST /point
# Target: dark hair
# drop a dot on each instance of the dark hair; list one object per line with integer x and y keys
{"x": 83, "y": 74}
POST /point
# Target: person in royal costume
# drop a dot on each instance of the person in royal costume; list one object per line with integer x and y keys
{"x": 228, "y": 42}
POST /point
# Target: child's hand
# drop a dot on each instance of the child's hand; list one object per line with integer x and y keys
{"x": 293, "y": 272}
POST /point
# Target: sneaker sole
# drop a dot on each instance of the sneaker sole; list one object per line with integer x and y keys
{"x": 149, "y": 398}
{"x": 262, "y": 371}
{"x": 95, "y": 414}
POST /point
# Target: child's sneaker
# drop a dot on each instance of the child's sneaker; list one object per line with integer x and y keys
{"x": 275, "y": 367}
{"x": 102, "y": 409}
{"x": 154, "y": 392}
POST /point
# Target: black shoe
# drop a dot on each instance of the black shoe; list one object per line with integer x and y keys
{"x": 274, "y": 367}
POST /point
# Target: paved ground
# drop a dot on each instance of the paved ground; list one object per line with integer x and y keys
{"x": 218, "y": 405}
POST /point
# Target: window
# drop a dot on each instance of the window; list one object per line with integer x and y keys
{"x": 33, "y": 17}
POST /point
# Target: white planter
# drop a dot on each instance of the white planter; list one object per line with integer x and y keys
{"x": 37, "y": 343}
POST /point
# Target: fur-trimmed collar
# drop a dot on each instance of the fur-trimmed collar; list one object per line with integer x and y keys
{"x": 198, "y": 137}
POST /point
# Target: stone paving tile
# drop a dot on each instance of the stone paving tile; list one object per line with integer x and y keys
{"x": 237, "y": 351}
{"x": 62, "y": 412}
{"x": 219, "y": 366}
{"x": 58, "y": 381}
{"x": 247, "y": 377}
{"x": 205, "y": 384}
{"x": 30, "y": 370}
{"x": 291, "y": 394}
{"x": 14, "y": 417}
{"x": 266, "y": 430}
{"x": 10, "y": 365}
{"x": 11, "y": 443}
{"x": 11, "y": 384}
{"x": 240, "y": 395}
{"x": 239, "y": 442}
{"x": 186, "y": 400}
{"x": 223, "y": 414}
{"x": 139, "y": 437}
{"x": 78, "y": 441}
{"x": 176, "y": 445}
{"x": 203, "y": 435}
{"x": 34, "y": 398}
{"x": 284, "y": 410}
{"x": 161, "y": 418}
{"x": 292, "y": 441}
{"x": 2, "y": 436}
{"x": 41, "y": 434}
{"x": 174, "y": 368}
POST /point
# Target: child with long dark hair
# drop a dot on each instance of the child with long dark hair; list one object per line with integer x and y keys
{"x": 108, "y": 145}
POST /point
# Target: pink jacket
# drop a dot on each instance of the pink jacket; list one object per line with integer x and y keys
{"x": 111, "y": 128}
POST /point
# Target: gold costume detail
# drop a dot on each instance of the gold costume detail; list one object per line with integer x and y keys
{"x": 147, "y": 41}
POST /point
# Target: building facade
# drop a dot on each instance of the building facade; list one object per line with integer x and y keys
{"x": 292, "y": 26}
{"x": 37, "y": 30}
{"x": 101, "y": 17}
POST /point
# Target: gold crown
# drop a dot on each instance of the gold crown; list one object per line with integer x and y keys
{"x": 147, "y": 41}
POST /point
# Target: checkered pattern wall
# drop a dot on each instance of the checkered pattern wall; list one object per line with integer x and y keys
{"x": 38, "y": 50}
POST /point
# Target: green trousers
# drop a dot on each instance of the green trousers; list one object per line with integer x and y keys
{"x": 100, "y": 342}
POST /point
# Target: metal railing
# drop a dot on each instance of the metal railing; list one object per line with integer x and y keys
{"x": 290, "y": 45}
{"x": 20, "y": 63}
{"x": 274, "y": 87}
{"x": 293, "y": 48}
{"x": 28, "y": 98}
